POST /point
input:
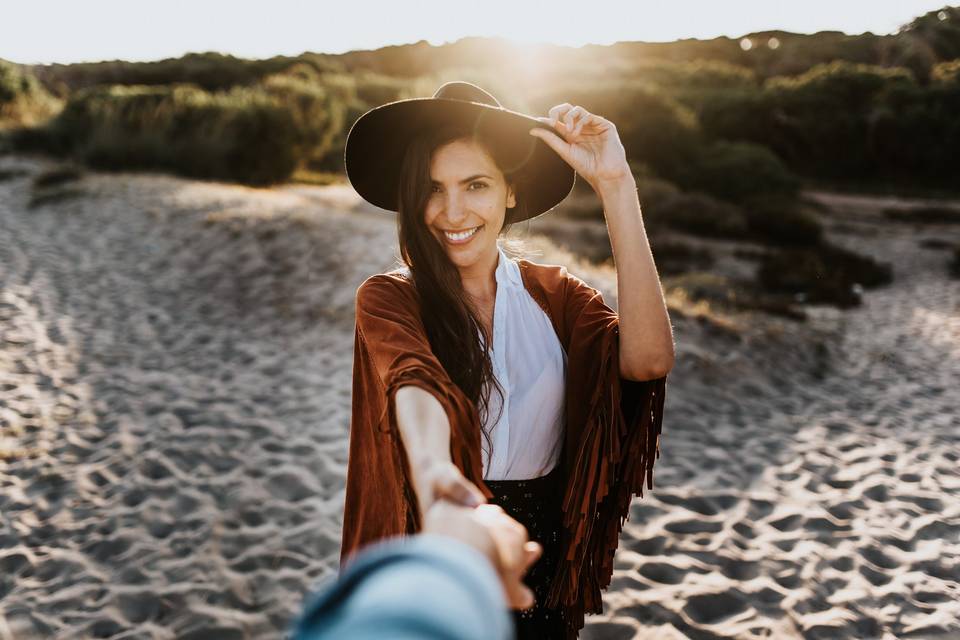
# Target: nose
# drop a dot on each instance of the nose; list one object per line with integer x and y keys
{"x": 454, "y": 210}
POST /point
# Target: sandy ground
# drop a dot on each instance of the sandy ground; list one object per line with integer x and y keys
{"x": 175, "y": 362}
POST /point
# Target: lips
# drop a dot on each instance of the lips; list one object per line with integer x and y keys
{"x": 461, "y": 237}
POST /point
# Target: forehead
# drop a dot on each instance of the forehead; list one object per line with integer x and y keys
{"x": 461, "y": 157}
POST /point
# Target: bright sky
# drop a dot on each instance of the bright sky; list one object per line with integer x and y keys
{"x": 40, "y": 31}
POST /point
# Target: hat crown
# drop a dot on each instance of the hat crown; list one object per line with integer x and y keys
{"x": 460, "y": 90}
{"x": 376, "y": 144}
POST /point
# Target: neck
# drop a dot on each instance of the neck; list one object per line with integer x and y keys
{"x": 480, "y": 279}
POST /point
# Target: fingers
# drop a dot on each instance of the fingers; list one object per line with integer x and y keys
{"x": 558, "y": 124}
{"x": 451, "y": 485}
{"x": 571, "y": 116}
{"x": 526, "y": 599}
{"x": 557, "y": 112}
{"x": 501, "y": 538}
{"x": 520, "y": 595}
{"x": 552, "y": 140}
{"x": 567, "y": 115}
{"x": 570, "y": 119}
{"x": 583, "y": 118}
{"x": 533, "y": 551}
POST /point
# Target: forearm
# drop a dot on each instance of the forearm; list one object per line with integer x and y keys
{"x": 646, "y": 340}
{"x": 424, "y": 428}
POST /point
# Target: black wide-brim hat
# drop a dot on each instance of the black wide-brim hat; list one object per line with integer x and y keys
{"x": 377, "y": 141}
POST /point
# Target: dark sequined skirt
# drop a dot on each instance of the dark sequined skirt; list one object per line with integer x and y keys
{"x": 536, "y": 504}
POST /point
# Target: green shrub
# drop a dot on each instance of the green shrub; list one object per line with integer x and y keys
{"x": 318, "y": 111}
{"x": 243, "y": 135}
{"x": 938, "y": 30}
{"x": 822, "y": 120}
{"x": 842, "y": 122}
{"x": 23, "y": 100}
{"x": 676, "y": 257}
{"x": 654, "y": 191}
{"x": 737, "y": 170}
{"x": 782, "y": 220}
{"x": 947, "y": 73}
{"x": 698, "y": 214}
{"x": 695, "y": 74}
{"x": 823, "y": 273}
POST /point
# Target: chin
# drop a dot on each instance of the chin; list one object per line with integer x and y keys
{"x": 463, "y": 257}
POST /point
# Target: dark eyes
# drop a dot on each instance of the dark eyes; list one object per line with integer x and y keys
{"x": 482, "y": 184}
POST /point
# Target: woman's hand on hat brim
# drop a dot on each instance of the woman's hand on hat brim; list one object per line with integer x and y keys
{"x": 587, "y": 142}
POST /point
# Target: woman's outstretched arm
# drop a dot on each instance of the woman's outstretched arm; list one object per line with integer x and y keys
{"x": 425, "y": 430}
{"x": 424, "y": 410}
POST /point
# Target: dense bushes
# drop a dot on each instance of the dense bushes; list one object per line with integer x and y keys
{"x": 946, "y": 73}
{"x": 256, "y": 135}
{"x": 710, "y": 116}
{"x": 735, "y": 171}
{"x": 318, "y": 111}
{"x": 698, "y": 214}
{"x": 782, "y": 221}
{"x": 796, "y": 262}
{"x": 240, "y": 135}
{"x": 849, "y": 122}
{"x": 823, "y": 273}
{"x": 768, "y": 219}
{"x": 23, "y": 100}
{"x": 207, "y": 70}
{"x": 260, "y": 134}
{"x": 939, "y": 30}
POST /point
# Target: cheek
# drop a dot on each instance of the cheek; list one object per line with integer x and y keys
{"x": 488, "y": 204}
{"x": 429, "y": 213}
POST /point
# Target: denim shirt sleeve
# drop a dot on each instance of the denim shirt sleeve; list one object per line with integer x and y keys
{"x": 410, "y": 587}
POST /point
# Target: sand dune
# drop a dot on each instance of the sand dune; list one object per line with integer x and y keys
{"x": 175, "y": 366}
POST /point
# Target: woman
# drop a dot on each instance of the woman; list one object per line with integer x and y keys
{"x": 466, "y": 342}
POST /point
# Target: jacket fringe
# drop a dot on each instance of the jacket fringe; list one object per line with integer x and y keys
{"x": 623, "y": 428}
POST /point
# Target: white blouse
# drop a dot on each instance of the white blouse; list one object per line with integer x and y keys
{"x": 531, "y": 366}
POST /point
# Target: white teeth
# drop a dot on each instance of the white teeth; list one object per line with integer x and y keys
{"x": 461, "y": 236}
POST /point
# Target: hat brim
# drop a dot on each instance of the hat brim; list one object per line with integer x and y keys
{"x": 378, "y": 139}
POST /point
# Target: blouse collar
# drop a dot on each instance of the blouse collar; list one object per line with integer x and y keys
{"x": 508, "y": 272}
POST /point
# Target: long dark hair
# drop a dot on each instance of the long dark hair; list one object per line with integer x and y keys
{"x": 450, "y": 319}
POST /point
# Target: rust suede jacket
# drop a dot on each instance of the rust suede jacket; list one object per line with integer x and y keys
{"x": 611, "y": 440}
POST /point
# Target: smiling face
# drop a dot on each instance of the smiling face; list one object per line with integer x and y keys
{"x": 467, "y": 206}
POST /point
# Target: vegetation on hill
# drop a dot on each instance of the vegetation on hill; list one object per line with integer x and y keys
{"x": 721, "y": 132}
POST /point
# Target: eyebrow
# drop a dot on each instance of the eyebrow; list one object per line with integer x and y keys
{"x": 470, "y": 179}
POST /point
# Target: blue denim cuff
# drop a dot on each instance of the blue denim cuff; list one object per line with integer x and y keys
{"x": 387, "y": 577}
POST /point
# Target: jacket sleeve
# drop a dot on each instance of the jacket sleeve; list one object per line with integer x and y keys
{"x": 617, "y": 448}
{"x": 372, "y": 597}
{"x": 389, "y": 323}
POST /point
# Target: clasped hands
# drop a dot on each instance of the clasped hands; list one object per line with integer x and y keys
{"x": 453, "y": 506}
